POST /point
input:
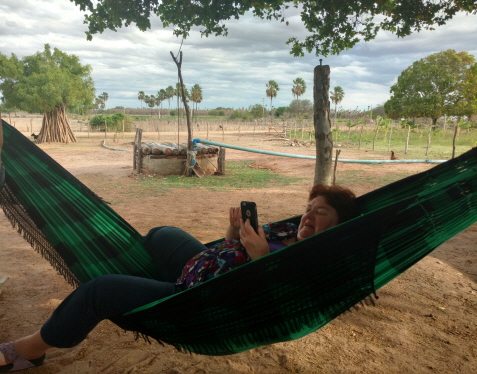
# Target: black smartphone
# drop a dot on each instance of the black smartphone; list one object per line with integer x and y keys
{"x": 249, "y": 212}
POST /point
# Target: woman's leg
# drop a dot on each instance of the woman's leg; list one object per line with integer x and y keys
{"x": 170, "y": 249}
{"x": 105, "y": 297}
{"x": 31, "y": 346}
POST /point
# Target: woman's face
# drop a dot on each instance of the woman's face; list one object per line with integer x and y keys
{"x": 319, "y": 216}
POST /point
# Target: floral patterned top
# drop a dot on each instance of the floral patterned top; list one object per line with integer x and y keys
{"x": 230, "y": 254}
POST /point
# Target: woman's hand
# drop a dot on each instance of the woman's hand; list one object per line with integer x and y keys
{"x": 256, "y": 245}
{"x": 235, "y": 216}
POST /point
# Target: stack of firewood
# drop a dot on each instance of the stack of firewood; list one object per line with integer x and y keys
{"x": 172, "y": 149}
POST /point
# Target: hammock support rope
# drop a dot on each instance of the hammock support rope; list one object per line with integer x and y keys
{"x": 282, "y": 296}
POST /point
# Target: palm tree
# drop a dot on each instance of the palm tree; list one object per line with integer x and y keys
{"x": 169, "y": 95}
{"x": 298, "y": 89}
{"x": 336, "y": 97}
{"x": 98, "y": 103}
{"x": 141, "y": 96}
{"x": 271, "y": 91}
{"x": 160, "y": 97}
{"x": 150, "y": 100}
{"x": 196, "y": 96}
{"x": 104, "y": 97}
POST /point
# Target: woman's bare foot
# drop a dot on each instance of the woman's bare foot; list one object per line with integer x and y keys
{"x": 3, "y": 360}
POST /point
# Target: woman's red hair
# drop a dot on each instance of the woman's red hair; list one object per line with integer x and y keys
{"x": 339, "y": 197}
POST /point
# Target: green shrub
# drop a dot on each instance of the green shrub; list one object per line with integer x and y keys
{"x": 239, "y": 116}
{"x": 112, "y": 123}
{"x": 216, "y": 112}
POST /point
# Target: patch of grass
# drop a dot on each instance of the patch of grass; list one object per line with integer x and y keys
{"x": 353, "y": 177}
{"x": 238, "y": 176}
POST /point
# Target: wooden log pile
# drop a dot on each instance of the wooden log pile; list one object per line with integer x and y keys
{"x": 172, "y": 149}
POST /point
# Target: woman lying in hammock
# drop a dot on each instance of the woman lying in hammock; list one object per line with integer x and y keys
{"x": 183, "y": 262}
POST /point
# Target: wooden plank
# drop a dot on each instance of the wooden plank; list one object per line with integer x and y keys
{"x": 198, "y": 171}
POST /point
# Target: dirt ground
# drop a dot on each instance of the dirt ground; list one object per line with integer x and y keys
{"x": 425, "y": 321}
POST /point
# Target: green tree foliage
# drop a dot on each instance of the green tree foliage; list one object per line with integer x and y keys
{"x": 280, "y": 111}
{"x": 271, "y": 91}
{"x": 442, "y": 83}
{"x": 469, "y": 92}
{"x": 47, "y": 82}
{"x": 300, "y": 107}
{"x": 112, "y": 123}
{"x": 257, "y": 111}
{"x": 216, "y": 112}
{"x": 333, "y": 26}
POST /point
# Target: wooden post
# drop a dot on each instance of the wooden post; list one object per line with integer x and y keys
{"x": 221, "y": 161}
{"x": 360, "y": 136}
{"x": 453, "y": 140}
{"x": 407, "y": 138}
{"x": 375, "y": 134}
{"x": 428, "y": 139}
{"x": 390, "y": 136}
{"x": 105, "y": 130}
{"x": 338, "y": 151}
{"x": 139, "y": 150}
{"x": 134, "y": 151}
{"x": 322, "y": 123}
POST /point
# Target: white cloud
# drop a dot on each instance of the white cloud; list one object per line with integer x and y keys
{"x": 233, "y": 70}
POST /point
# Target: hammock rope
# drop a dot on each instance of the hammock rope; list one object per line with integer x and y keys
{"x": 282, "y": 296}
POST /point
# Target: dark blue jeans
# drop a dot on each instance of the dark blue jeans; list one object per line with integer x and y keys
{"x": 113, "y": 295}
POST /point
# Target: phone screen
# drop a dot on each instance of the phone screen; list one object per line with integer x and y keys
{"x": 249, "y": 211}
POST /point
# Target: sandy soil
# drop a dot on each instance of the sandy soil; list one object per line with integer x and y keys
{"x": 424, "y": 321}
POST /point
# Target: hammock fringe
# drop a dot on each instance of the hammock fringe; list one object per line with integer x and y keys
{"x": 25, "y": 227}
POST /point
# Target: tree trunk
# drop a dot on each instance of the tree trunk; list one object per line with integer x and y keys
{"x": 322, "y": 123}
{"x": 375, "y": 134}
{"x": 407, "y": 139}
{"x": 434, "y": 121}
{"x": 190, "y": 156}
{"x": 453, "y": 139}
{"x": 55, "y": 127}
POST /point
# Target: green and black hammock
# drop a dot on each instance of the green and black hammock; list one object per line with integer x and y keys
{"x": 279, "y": 297}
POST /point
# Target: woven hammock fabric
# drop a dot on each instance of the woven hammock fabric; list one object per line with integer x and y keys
{"x": 279, "y": 297}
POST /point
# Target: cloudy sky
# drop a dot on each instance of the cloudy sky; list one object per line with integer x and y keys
{"x": 232, "y": 70}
